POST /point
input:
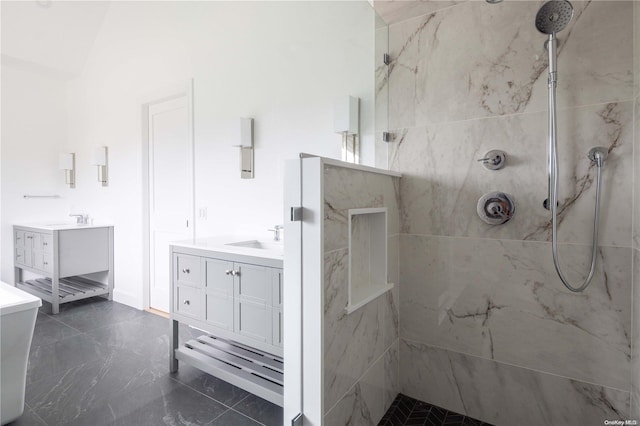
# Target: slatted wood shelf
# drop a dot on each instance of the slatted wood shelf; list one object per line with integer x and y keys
{"x": 255, "y": 371}
{"x": 69, "y": 289}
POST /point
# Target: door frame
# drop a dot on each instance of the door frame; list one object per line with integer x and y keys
{"x": 171, "y": 92}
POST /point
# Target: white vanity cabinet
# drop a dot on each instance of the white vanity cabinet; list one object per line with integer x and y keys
{"x": 236, "y": 298}
{"x": 57, "y": 258}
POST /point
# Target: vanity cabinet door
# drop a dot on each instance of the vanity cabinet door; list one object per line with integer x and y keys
{"x": 219, "y": 291}
{"x": 253, "y": 300}
{"x": 253, "y": 283}
{"x": 276, "y": 287}
{"x": 47, "y": 243}
{"x": 32, "y": 240}
{"x": 253, "y": 320}
{"x": 47, "y": 262}
{"x": 277, "y": 327}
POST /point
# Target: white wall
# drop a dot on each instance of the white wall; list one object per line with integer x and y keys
{"x": 282, "y": 63}
{"x": 34, "y": 128}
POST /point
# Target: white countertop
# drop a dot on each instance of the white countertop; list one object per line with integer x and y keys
{"x": 221, "y": 244}
{"x": 60, "y": 225}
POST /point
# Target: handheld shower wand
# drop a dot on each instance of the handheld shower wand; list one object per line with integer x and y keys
{"x": 552, "y": 17}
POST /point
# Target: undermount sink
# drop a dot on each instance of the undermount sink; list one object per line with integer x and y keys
{"x": 255, "y": 244}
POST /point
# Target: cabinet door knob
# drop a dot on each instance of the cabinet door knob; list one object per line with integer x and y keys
{"x": 46, "y": 263}
{"x": 186, "y": 302}
{"x": 228, "y": 272}
{"x": 235, "y": 273}
{"x": 185, "y": 271}
{"x": 45, "y": 244}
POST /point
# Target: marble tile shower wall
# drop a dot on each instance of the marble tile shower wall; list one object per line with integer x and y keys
{"x": 361, "y": 348}
{"x": 486, "y": 326}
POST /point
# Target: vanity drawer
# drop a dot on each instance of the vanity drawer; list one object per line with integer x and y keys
{"x": 188, "y": 270}
{"x": 23, "y": 256}
{"x": 19, "y": 239}
{"x": 188, "y": 301}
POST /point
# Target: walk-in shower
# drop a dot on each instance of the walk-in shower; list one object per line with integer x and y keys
{"x": 553, "y": 17}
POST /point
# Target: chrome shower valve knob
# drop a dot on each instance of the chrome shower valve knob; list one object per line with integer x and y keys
{"x": 496, "y": 208}
{"x": 494, "y": 159}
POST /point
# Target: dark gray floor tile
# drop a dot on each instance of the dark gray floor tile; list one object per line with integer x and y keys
{"x": 161, "y": 402}
{"x": 28, "y": 418}
{"x": 209, "y": 385}
{"x": 233, "y": 418}
{"x": 95, "y": 312}
{"x": 62, "y": 398}
{"x": 102, "y": 363}
{"x": 257, "y": 408}
{"x": 56, "y": 358}
{"x": 133, "y": 332}
{"x": 48, "y": 331}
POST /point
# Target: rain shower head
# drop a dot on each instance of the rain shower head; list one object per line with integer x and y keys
{"x": 553, "y": 16}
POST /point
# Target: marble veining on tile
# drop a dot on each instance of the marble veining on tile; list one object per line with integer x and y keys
{"x": 502, "y": 300}
{"x": 349, "y": 189}
{"x": 442, "y": 179}
{"x": 442, "y": 70}
{"x": 393, "y": 11}
{"x": 366, "y": 402}
{"x": 391, "y": 302}
{"x": 503, "y": 394}
{"x": 636, "y": 169}
{"x": 351, "y": 341}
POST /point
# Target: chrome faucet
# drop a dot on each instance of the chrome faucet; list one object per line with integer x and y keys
{"x": 81, "y": 219}
{"x": 276, "y": 232}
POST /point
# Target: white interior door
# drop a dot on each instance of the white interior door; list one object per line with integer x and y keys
{"x": 171, "y": 211}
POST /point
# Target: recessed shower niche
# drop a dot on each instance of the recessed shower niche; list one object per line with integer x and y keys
{"x": 367, "y": 256}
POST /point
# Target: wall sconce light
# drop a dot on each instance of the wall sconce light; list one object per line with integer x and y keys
{"x": 67, "y": 162}
{"x": 346, "y": 122}
{"x": 101, "y": 159}
{"x": 246, "y": 148}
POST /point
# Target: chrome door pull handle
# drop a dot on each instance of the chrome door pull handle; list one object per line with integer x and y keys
{"x": 185, "y": 271}
{"x": 186, "y": 302}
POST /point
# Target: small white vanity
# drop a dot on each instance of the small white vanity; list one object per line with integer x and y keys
{"x": 58, "y": 256}
{"x": 233, "y": 292}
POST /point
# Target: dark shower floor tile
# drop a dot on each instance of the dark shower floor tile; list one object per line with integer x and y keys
{"x": 406, "y": 411}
